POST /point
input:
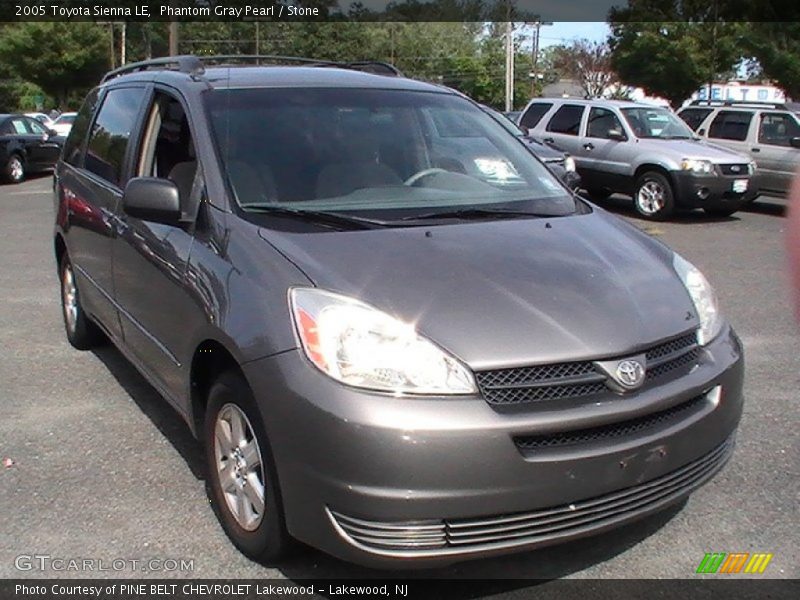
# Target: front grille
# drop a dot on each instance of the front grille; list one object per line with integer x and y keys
{"x": 530, "y": 443}
{"x": 739, "y": 170}
{"x": 454, "y": 536}
{"x": 568, "y": 381}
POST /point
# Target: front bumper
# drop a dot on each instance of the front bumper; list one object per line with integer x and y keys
{"x": 712, "y": 191}
{"x": 360, "y": 471}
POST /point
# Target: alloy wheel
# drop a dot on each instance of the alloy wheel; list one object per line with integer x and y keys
{"x": 69, "y": 298}
{"x": 650, "y": 198}
{"x": 15, "y": 169}
{"x": 239, "y": 467}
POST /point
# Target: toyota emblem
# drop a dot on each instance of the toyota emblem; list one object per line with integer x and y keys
{"x": 630, "y": 374}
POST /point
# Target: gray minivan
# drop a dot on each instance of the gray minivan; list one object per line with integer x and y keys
{"x": 398, "y": 336}
{"x": 644, "y": 151}
{"x": 768, "y": 134}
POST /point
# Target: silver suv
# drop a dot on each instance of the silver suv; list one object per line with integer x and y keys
{"x": 769, "y": 133}
{"x": 644, "y": 151}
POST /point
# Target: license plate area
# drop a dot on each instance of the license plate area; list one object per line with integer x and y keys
{"x": 739, "y": 186}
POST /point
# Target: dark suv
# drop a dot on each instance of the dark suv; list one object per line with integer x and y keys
{"x": 399, "y": 336}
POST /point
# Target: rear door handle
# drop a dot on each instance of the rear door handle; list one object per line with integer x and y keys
{"x": 589, "y": 146}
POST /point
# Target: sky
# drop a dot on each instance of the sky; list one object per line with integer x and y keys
{"x": 564, "y": 32}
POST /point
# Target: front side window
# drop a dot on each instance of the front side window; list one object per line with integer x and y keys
{"x": 730, "y": 125}
{"x": 567, "y": 120}
{"x": 534, "y": 114}
{"x": 601, "y": 122}
{"x": 111, "y": 132}
{"x": 778, "y": 129}
{"x": 36, "y": 127}
{"x": 657, "y": 123}
{"x": 387, "y": 154}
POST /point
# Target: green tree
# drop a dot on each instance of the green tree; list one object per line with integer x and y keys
{"x": 776, "y": 48}
{"x": 63, "y": 59}
{"x": 672, "y": 59}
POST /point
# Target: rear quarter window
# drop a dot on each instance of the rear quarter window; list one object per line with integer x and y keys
{"x": 77, "y": 136}
{"x": 694, "y": 117}
{"x": 534, "y": 114}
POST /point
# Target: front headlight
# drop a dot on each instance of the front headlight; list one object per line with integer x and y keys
{"x": 569, "y": 164}
{"x": 696, "y": 165}
{"x": 703, "y": 297}
{"x": 361, "y": 346}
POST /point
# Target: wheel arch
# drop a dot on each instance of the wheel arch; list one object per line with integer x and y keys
{"x": 59, "y": 248}
{"x": 210, "y": 359}
{"x": 660, "y": 169}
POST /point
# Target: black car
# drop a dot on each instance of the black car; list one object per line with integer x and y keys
{"x": 561, "y": 163}
{"x": 26, "y": 146}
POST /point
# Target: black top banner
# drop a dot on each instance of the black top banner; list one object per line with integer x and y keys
{"x": 397, "y": 10}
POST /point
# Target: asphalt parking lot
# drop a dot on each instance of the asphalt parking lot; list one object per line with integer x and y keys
{"x": 96, "y": 465}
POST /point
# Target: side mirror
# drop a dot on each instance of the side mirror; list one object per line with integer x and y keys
{"x": 795, "y": 142}
{"x": 152, "y": 199}
{"x": 525, "y": 131}
{"x": 52, "y": 132}
{"x": 701, "y": 132}
{"x": 616, "y": 135}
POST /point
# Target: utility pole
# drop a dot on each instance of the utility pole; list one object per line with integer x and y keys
{"x": 123, "y": 43}
{"x": 537, "y": 26}
{"x": 174, "y": 38}
{"x": 509, "y": 66}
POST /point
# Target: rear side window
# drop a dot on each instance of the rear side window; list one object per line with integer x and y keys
{"x": 77, "y": 135}
{"x": 777, "y": 129}
{"x": 534, "y": 114}
{"x": 730, "y": 125}
{"x": 111, "y": 133}
{"x": 694, "y": 117}
{"x": 19, "y": 127}
{"x": 567, "y": 120}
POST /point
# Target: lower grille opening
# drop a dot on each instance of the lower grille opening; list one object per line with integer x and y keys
{"x": 664, "y": 418}
{"x": 453, "y": 536}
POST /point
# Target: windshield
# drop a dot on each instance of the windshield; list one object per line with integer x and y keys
{"x": 507, "y": 123}
{"x": 65, "y": 119}
{"x": 652, "y": 122}
{"x": 384, "y": 154}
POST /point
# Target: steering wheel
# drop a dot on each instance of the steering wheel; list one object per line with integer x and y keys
{"x": 423, "y": 173}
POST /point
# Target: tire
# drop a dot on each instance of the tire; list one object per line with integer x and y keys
{"x": 653, "y": 197}
{"x": 724, "y": 212}
{"x": 261, "y": 536}
{"x": 14, "y": 169}
{"x": 82, "y": 332}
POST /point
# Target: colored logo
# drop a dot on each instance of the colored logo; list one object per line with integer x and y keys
{"x": 737, "y": 562}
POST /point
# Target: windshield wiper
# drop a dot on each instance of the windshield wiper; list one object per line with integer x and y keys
{"x": 475, "y": 213}
{"x": 318, "y": 216}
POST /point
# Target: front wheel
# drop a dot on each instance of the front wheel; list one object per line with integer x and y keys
{"x": 653, "y": 197}
{"x": 14, "y": 171}
{"x": 242, "y": 481}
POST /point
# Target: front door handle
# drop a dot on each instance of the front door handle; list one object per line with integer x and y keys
{"x": 589, "y": 146}
{"x": 756, "y": 149}
{"x": 548, "y": 140}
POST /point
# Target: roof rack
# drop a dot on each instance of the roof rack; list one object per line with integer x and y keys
{"x": 191, "y": 65}
{"x": 194, "y": 66}
{"x": 740, "y": 103}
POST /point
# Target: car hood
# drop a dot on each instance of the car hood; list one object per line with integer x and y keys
{"x": 508, "y": 293}
{"x": 698, "y": 149}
